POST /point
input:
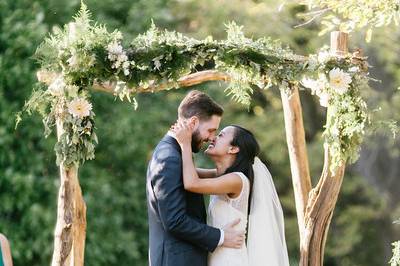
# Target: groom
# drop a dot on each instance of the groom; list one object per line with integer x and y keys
{"x": 178, "y": 233}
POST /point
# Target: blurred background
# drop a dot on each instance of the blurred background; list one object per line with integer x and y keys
{"x": 114, "y": 183}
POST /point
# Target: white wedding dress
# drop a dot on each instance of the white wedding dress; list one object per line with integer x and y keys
{"x": 266, "y": 244}
{"x": 223, "y": 210}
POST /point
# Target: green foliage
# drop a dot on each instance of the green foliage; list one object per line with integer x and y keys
{"x": 76, "y": 144}
{"x": 347, "y": 114}
{"x": 350, "y": 15}
{"x": 346, "y": 124}
{"x": 84, "y": 53}
{"x": 40, "y": 102}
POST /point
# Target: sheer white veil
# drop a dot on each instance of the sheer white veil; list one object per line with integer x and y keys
{"x": 266, "y": 244}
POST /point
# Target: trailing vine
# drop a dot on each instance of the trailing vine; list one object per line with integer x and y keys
{"x": 84, "y": 52}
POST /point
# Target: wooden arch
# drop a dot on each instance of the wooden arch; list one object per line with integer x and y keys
{"x": 314, "y": 205}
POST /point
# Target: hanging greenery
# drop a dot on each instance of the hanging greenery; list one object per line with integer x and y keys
{"x": 84, "y": 52}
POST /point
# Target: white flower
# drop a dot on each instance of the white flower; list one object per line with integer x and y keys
{"x": 339, "y": 80}
{"x": 125, "y": 67}
{"x": 114, "y": 48}
{"x": 126, "y": 64}
{"x": 324, "y": 99}
{"x": 318, "y": 87}
{"x": 119, "y": 58}
{"x": 122, "y": 57}
{"x": 56, "y": 88}
{"x": 324, "y": 56}
{"x": 79, "y": 107}
{"x": 315, "y": 85}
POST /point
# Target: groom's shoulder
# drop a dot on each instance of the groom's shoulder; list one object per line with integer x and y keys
{"x": 166, "y": 148}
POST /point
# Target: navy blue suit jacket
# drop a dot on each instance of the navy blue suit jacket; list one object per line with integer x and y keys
{"x": 178, "y": 233}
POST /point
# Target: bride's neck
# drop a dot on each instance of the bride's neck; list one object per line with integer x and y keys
{"x": 222, "y": 164}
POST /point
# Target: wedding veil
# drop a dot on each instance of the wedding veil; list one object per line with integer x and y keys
{"x": 266, "y": 242}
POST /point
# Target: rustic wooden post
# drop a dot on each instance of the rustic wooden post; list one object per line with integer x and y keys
{"x": 70, "y": 232}
{"x": 322, "y": 199}
{"x": 296, "y": 142}
{"x": 339, "y": 42}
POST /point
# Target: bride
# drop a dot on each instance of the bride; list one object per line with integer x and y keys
{"x": 241, "y": 187}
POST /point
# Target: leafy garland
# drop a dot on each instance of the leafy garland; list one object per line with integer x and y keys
{"x": 84, "y": 52}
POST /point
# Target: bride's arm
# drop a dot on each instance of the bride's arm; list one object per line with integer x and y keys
{"x": 206, "y": 173}
{"x": 226, "y": 184}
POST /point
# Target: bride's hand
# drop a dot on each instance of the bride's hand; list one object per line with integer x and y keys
{"x": 183, "y": 133}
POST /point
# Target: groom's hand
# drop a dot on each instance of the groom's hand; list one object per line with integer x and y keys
{"x": 233, "y": 238}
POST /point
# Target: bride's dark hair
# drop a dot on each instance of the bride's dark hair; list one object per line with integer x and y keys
{"x": 248, "y": 150}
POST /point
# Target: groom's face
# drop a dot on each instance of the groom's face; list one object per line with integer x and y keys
{"x": 204, "y": 132}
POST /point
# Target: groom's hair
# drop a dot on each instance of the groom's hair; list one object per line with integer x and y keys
{"x": 199, "y": 104}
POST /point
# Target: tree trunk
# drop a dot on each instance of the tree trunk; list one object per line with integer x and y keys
{"x": 70, "y": 232}
{"x": 314, "y": 207}
{"x": 321, "y": 203}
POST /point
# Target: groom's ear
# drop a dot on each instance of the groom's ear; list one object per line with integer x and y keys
{"x": 194, "y": 122}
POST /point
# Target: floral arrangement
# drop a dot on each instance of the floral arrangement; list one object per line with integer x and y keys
{"x": 84, "y": 52}
{"x": 337, "y": 84}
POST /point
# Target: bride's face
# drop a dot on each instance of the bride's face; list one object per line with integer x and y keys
{"x": 221, "y": 145}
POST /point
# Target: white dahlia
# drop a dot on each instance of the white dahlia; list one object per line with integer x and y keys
{"x": 339, "y": 80}
{"x": 79, "y": 107}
